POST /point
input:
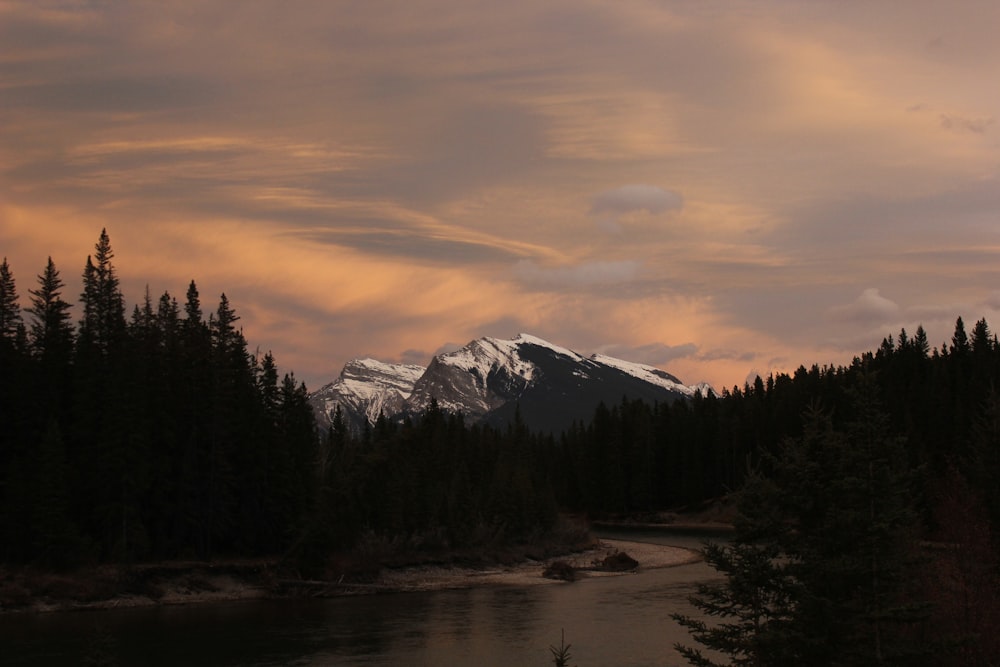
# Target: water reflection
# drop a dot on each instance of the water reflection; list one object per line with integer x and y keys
{"x": 456, "y": 614}
{"x": 514, "y": 612}
{"x": 618, "y": 620}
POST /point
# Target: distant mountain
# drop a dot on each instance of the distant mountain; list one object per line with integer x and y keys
{"x": 489, "y": 379}
{"x": 365, "y": 388}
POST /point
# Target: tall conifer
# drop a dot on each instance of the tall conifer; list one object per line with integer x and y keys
{"x": 51, "y": 334}
{"x": 11, "y": 323}
{"x": 817, "y": 573}
{"x": 103, "y": 324}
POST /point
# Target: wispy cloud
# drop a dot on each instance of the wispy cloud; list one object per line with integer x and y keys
{"x": 632, "y": 198}
{"x": 962, "y": 124}
{"x": 869, "y": 308}
{"x": 587, "y": 274}
{"x": 709, "y": 185}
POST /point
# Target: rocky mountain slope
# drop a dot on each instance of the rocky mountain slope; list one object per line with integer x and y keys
{"x": 366, "y": 388}
{"x": 490, "y": 378}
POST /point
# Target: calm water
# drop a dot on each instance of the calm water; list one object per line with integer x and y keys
{"x": 623, "y": 621}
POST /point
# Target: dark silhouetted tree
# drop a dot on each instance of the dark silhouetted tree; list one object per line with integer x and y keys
{"x": 12, "y": 332}
{"x": 832, "y": 531}
{"x": 103, "y": 324}
{"x": 51, "y": 335}
{"x": 960, "y": 339}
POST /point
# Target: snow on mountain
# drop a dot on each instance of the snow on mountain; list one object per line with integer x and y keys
{"x": 365, "y": 388}
{"x": 486, "y": 354}
{"x": 475, "y": 379}
{"x": 653, "y": 375}
{"x": 491, "y": 378}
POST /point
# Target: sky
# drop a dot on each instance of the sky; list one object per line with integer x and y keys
{"x": 719, "y": 189}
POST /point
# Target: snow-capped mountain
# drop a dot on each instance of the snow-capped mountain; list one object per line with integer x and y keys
{"x": 365, "y": 388}
{"x": 490, "y": 378}
{"x": 654, "y": 375}
{"x": 482, "y": 376}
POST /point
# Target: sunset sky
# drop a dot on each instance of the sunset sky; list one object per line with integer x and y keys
{"x": 715, "y": 188}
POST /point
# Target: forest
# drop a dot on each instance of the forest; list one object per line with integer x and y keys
{"x": 157, "y": 434}
{"x": 866, "y": 491}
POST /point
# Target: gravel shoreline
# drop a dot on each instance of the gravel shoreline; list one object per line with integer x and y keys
{"x": 649, "y": 556}
{"x": 207, "y": 583}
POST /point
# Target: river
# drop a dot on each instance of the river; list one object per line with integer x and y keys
{"x": 623, "y": 621}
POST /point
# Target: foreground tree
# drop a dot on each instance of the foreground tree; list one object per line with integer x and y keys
{"x": 754, "y": 602}
{"x": 817, "y": 572}
{"x": 963, "y": 576}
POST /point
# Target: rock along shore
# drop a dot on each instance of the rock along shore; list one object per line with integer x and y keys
{"x": 191, "y": 583}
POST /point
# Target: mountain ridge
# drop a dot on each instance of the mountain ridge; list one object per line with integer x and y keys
{"x": 489, "y": 379}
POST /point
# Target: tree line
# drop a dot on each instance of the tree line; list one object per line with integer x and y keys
{"x": 432, "y": 484}
{"x": 156, "y": 433}
{"x": 160, "y": 435}
{"x": 866, "y": 534}
{"x": 635, "y": 457}
{"x": 867, "y": 503}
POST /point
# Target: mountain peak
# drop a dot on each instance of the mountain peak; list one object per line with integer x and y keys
{"x": 529, "y": 339}
{"x": 365, "y": 388}
{"x": 490, "y": 378}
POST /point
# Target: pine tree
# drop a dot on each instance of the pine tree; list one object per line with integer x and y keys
{"x": 103, "y": 324}
{"x": 192, "y": 306}
{"x": 11, "y": 324}
{"x": 192, "y": 409}
{"x": 752, "y": 606}
{"x": 296, "y": 452}
{"x": 225, "y": 335}
{"x": 920, "y": 341}
{"x": 51, "y": 334}
{"x": 167, "y": 315}
{"x": 18, "y": 400}
{"x": 267, "y": 386}
{"x": 51, "y": 338}
{"x": 108, "y": 444}
{"x": 13, "y": 351}
{"x": 959, "y": 340}
{"x": 233, "y": 447}
{"x": 818, "y": 569}
{"x": 982, "y": 339}
{"x": 849, "y": 495}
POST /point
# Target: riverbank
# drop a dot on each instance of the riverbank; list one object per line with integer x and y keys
{"x": 710, "y": 518}
{"x": 529, "y": 573}
{"x": 180, "y": 583}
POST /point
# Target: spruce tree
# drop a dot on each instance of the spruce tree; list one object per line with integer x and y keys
{"x": 296, "y": 453}
{"x": 17, "y": 400}
{"x": 920, "y": 341}
{"x": 11, "y": 323}
{"x": 982, "y": 339}
{"x": 51, "y": 338}
{"x": 108, "y": 447}
{"x": 51, "y": 334}
{"x": 849, "y": 495}
{"x": 192, "y": 305}
{"x": 751, "y": 608}
{"x": 818, "y": 569}
{"x": 960, "y": 339}
{"x": 103, "y": 324}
